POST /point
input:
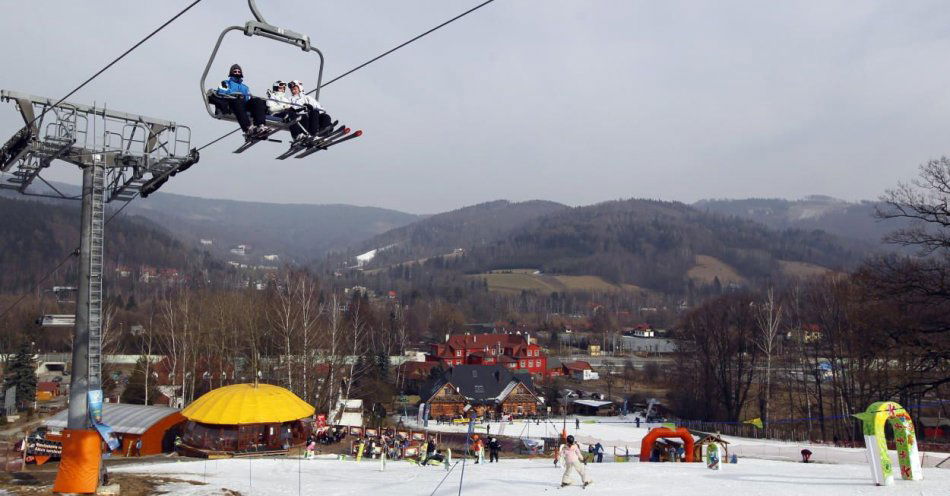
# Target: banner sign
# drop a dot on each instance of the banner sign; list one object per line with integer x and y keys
{"x": 43, "y": 447}
{"x": 95, "y": 414}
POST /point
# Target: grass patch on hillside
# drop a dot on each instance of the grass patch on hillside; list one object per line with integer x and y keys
{"x": 707, "y": 269}
{"x": 518, "y": 280}
{"x": 802, "y": 269}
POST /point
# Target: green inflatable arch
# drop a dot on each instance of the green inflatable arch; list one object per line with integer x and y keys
{"x": 905, "y": 441}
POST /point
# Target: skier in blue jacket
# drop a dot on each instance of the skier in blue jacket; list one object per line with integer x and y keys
{"x": 241, "y": 102}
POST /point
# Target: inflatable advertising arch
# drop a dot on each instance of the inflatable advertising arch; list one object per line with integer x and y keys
{"x": 646, "y": 446}
{"x": 905, "y": 440}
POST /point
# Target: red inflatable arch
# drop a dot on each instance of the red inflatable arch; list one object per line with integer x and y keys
{"x": 681, "y": 432}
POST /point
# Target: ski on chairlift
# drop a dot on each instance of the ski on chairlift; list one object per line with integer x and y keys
{"x": 285, "y": 107}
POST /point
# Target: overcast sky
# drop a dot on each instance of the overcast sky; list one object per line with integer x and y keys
{"x": 571, "y": 101}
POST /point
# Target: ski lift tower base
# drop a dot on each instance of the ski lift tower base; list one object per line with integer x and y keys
{"x": 121, "y": 155}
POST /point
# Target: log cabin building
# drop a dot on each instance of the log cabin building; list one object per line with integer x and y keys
{"x": 490, "y": 390}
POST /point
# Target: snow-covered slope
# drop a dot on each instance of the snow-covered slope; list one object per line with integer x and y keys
{"x": 291, "y": 476}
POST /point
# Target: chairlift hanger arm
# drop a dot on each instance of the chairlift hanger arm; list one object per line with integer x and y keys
{"x": 262, "y": 28}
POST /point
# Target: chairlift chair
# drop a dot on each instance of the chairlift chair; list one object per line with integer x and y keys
{"x": 260, "y": 27}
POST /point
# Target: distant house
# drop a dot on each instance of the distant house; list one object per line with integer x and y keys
{"x": 555, "y": 368}
{"x": 47, "y": 390}
{"x": 207, "y": 242}
{"x": 487, "y": 390}
{"x": 580, "y": 370}
{"x": 513, "y": 351}
{"x": 593, "y": 407}
{"x": 647, "y": 344}
{"x": 414, "y": 375}
{"x": 147, "y": 274}
{"x": 640, "y": 330}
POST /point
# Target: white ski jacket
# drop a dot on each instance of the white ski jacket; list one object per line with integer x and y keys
{"x": 277, "y": 101}
{"x": 305, "y": 99}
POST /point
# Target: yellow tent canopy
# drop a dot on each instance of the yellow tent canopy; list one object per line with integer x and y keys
{"x": 247, "y": 404}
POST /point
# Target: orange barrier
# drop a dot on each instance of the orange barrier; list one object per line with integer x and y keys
{"x": 80, "y": 463}
{"x": 646, "y": 446}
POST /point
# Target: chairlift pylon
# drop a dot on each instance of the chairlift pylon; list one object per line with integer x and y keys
{"x": 260, "y": 27}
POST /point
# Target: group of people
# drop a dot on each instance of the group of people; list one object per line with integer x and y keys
{"x": 479, "y": 445}
{"x": 307, "y": 118}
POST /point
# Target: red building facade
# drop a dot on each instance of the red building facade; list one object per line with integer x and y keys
{"x": 513, "y": 351}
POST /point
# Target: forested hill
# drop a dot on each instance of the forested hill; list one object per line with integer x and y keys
{"x": 655, "y": 245}
{"x": 662, "y": 246}
{"x": 846, "y": 219}
{"x": 463, "y": 228}
{"x": 36, "y": 236}
{"x": 296, "y": 232}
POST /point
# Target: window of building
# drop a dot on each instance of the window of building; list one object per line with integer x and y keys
{"x": 522, "y": 363}
{"x": 458, "y": 353}
{"x": 479, "y": 388}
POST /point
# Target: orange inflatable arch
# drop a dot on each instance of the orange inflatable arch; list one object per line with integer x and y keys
{"x": 646, "y": 447}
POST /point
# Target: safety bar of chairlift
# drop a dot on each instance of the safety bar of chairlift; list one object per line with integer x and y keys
{"x": 278, "y": 34}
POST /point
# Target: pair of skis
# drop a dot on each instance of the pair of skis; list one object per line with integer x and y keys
{"x": 264, "y": 135}
{"x": 313, "y": 145}
{"x": 583, "y": 486}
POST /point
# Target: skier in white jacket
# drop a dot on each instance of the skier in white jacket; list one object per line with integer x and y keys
{"x": 277, "y": 100}
{"x": 573, "y": 460}
{"x": 316, "y": 121}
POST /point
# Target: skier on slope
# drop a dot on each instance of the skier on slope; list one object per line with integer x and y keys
{"x": 573, "y": 459}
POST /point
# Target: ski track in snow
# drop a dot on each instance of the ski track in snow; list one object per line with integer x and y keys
{"x": 522, "y": 477}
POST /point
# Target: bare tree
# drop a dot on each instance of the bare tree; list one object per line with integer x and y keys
{"x": 283, "y": 318}
{"x": 925, "y": 203}
{"x": 768, "y": 317}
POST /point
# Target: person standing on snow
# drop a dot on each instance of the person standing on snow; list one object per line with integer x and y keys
{"x": 479, "y": 448}
{"x": 241, "y": 102}
{"x": 573, "y": 459}
{"x": 494, "y": 447}
{"x": 599, "y": 452}
{"x": 315, "y": 121}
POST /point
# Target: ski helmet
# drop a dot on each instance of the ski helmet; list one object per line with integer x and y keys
{"x": 278, "y": 84}
{"x": 297, "y": 83}
{"x": 570, "y": 439}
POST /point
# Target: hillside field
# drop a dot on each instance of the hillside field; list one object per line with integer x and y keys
{"x": 517, "y": 280}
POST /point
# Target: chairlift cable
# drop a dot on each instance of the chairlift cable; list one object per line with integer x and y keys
{"x": 114, "y": 61}
{"x": 370, "y": 61}
{"x": 374, "y": 59}
{"x": 61, "y": 100}
{"x": 153, "y": 33}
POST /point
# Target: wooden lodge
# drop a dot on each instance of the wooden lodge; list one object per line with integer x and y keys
{"x": 488, "y": 390}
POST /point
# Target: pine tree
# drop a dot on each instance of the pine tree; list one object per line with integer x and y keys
{"x": 135, "y": 390}
{"x": 382, "y": 366}
{"x": 21, "y": 373}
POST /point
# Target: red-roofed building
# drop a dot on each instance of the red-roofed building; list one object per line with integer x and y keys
{"x": 514, "y": 351}
{"x": 579, "y": 370}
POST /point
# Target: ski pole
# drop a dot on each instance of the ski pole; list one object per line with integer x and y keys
{"x": 443, "y": 479}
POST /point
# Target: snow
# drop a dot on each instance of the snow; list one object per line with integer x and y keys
{"x": 621, "y": 432}
{"x": 367, "y": 257}
{"x": 290, "y": 476}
